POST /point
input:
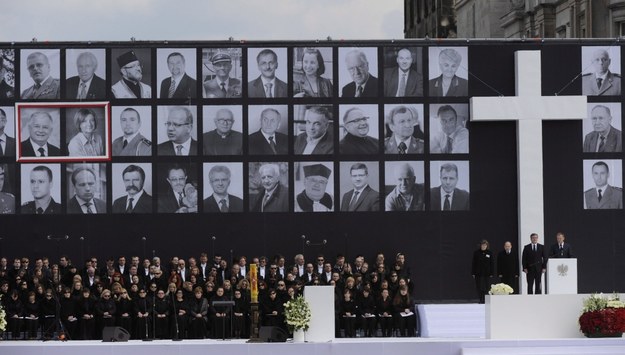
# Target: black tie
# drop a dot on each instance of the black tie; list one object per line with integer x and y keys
{"x": 88, "y": 205}
{"x": 359, "y": 91}
{"x": 599, "y": 80}
{"x": 1, "y": 150}
{"x": 446, "y": 204}
{"x": 601, "y": 144}
{"x": 402, "y": 148}
{"x": 129, "y": 208}
{"x": 125, "y": 144}
{"x": 39, "y": 210}
{"x": 42, "y": 152}
{"x": 223, "y": 88}
{"x": 272, "y": 144}
{"x": 599, "y": 197}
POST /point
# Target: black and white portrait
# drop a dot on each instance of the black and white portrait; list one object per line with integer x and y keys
{"x": 358, "y": 71}
{"x": 450, "y": 186}
{"x": 404, "y": 186}
{"x": 178, "y": 188}
{"x": 603, "y": 184}
{"x": 177, "y": 131}
{"x": 85, "y": 73}
{"x": 267, "y": 72}
{"x": 268, "y": 128}
{"x": 41, "y": 188}
{"x": 40, "y": 71}
{"x": 176, "y": 73}
{"x": 223, "y": 187}
{"x": 223, "y": 130}
{"x": 86, "y": 188}
{"x": 39, "y": 132}
{"x": 601, "y": 71}
{"x": 131, "y": 73}
{"x": 7, "y": 73}
{"x": 131, "y": 129}
{"x": 7, "y": 131}
{"x": 268, "y": 186}
{"x": 314, "y": 186}
{"x": 86, "y": 132}
{"x": 448, "y": 71}
{"x": 403, "y": 129}
{"x": 448, "y": 128}
{"x": 313, "y": 129}
{"x": 312, "y": 72}
{"x": 358, "y": 130}
{"x": 222, "y": 73}
{"x": 7, "y": 188}
{"x": 359, "y": 186}
{"x": 602, "y": 129}
{"x": 132, "y": 187}
{"x": 403, "y": 71}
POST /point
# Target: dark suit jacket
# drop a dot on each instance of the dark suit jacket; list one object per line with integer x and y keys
{"x": 369, "y": 200}
{"x": 371, "y": 88}
{"x": 613, "y": 142}
{"x": 279, "y": 201}
{"x": 97, "y": 89}
{"x": 534, "y": 260}
{"x": 460, "y": 201}
{"x": 74, "y": 207}
{"x": 28, "y": 151}
{"x": 213, "y": 90}
{"x": 255, "y": 88}
{"x": 258, "y": 144}
{"x": 567, "y": 251}
{"x": 9, "y": 150}
{"x": 414, "y": 85}
{"x": 508, "y": 268}
{"x": 187, "y": 88}
{"x": 458, "y": 87}
{"x": 167, "y": 148}
{"x": 168, "y": 203}
{"x": 31, "y": 208}
{"x": 325, "y": 145}
{"x": 143, "y": 205}
{"x": 235, "y": 204}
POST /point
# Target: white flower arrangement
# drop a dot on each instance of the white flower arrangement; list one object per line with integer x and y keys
{"x": 297, "y": 313}
{"x": 3, "y": 317}
{"x": 598, "y": 301}
{"x": 500, "y": 289}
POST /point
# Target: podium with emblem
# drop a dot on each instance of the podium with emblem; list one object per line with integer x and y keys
{"x": 562, "y": 276}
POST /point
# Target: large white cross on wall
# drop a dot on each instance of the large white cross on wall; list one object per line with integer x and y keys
{"x": 528, "y": 108}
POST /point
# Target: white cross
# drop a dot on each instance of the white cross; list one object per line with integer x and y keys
{"x": 529, "y": 108}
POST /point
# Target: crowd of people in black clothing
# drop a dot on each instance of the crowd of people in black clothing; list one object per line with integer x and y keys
{"x": 158, "y": 300}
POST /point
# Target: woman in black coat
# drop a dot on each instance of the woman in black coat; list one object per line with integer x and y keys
{"x": 348, "y": 312}
{"x": 367, "y": 312}
{"x": 69, "y": 314}
{"x": 124, "y": 309}
{"x": 384, "y": 310}
{"x": 220, "y": 315}
{"x": 482, "y": 269}
{"x": 179, "y": 309}
{"x": 241, "y": 311}
{"x": 198, "y": 315}
{"x": 405, "y": 318}
{"x": 14, "y": 313}
{"x": 86, "y": 312}
{"x": 161, "y": 310}
{"x": 105, "y": 310}
{"x": 142, "y": 310}
{"x": 32, "y": 315}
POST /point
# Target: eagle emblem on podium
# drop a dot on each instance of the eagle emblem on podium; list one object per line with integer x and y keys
{"x": 563, "y": 269}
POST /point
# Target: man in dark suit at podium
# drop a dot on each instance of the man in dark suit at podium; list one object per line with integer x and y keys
{"x": 508, "y": 266}
{"x": 561, "y": 249}
{"x": 534, "y": 264}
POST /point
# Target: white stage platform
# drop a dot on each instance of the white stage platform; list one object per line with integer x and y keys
{"x": 357, "y": 346}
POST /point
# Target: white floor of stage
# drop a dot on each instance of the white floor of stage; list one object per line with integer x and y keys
{"x": 355, "y": 346}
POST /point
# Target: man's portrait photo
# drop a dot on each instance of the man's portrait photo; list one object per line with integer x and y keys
{"x": 223, "y": 187}
{"x": 404, "y": 132}
{"x": 358, "y": 130}
{"x": 86, "y": 188}
{"x": 131, "y": 73}
{"x": 41, "y": 188}
{"x": 7, "y": 131}
{"x": 7, "y": 73}
{"x": 87, "y": 132}
{"x": 177, "y": 131}
{"x": 403, "y": 71}
{"x": 85, "y": 70}
{"x": 177, "y": 188}
{"x": 270, "y": 77}
{"x": 40, "y": 132}
{"x": 131, "y": 128}
{"x": 448, "y": 71}
{"x": 603, "y": 184}
{"x": 132, "y": 188}
{"x": 602, "y": 134}
{"x": 7, "y": 193}
{"x": 601, "y": 68}
{"x": 360, "y": 186}
{"x": 44, "y": 69}
{"x": 404, "y": 185}
{"x": 448, "y": 131}
{"x": 314, "y": 186}
{"x": 221, "y": 73}
{"x": 313, "y": 129}
{"x": 176, "y": 73}
{"x": 312, "y": 72}
{"x": 269, "y": 187}
{"x": 268, "y": 128}
{"x": 452, "y": 192}
{"x": 358, "y": 68}
{"x": 223, "y": 127}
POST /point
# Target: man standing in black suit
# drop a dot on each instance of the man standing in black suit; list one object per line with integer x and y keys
{"x": 137, "y": 200}
{"x": 179, "y": 85}
{"x": 267, "y": 140}
{"x": 364, "y": 84}
{"x": 221, "y": 200}
{"x": 179, "y": 127}
{"x": 534, "y": 262}
{"x": 41, "y": 183}
{"x": 86, "y": 85}
{"x": 447, "y": 197}
{"x": 273, "y": 197}
{"x": 84, "y": 201}
{"x": 561, "y": 249}
{"x": 267, "y": 85}
{"x": 508, "y": 266}
{"x": 362, "y": 197}
{"x": 39, "y": 128}
{"x": 7, "y": 144}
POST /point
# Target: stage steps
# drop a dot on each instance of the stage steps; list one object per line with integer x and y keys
{"x": 466, "y": 320}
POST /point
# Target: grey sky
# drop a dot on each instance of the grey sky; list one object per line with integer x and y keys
{"x": 119, "y": 20}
